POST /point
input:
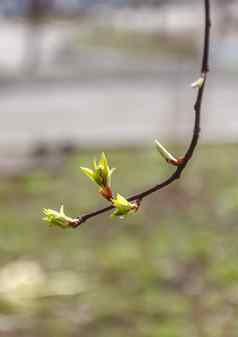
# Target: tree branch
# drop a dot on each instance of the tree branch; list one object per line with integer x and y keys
{"x": 196, "y": 131}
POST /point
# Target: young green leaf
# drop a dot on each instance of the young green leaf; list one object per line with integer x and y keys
{"x": 101, "y": 172}
{"x": 88, "y": 172}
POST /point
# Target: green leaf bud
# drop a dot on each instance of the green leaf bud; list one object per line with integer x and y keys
{"x": 55, "y": 218}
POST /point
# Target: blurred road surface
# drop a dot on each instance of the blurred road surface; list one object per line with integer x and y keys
{"x": 116, "y": 111}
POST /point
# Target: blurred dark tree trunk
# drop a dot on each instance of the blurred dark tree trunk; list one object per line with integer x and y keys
{"x": 37, "y": 10}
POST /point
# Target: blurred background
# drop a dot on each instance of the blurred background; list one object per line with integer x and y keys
{"x": 78, "y": 77}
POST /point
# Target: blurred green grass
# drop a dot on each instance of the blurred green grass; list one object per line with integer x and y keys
{"x": 169, "y": 271}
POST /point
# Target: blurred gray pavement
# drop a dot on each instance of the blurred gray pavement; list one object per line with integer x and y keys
{"x": 99, "y": 96}
{"x": 127, "y": 110}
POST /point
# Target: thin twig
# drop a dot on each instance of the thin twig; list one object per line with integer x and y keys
{"x": 196, "y": 131}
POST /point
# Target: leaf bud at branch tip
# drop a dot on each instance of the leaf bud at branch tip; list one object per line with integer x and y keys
{"x": 101, "y": 175}
{"x": 167, "y": 155}
{"x": 59, "y": 219}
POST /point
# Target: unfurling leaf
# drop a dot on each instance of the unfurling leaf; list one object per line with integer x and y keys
{"x": 101, "y": 175}
{"x": 123, "y": 206}
{"x": 88, "y": 172}
{"x": 55, "y": 218}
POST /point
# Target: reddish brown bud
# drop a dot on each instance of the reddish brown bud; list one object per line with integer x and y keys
{"x": 176, "y": 162}
{"x": 106, "y": 192}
